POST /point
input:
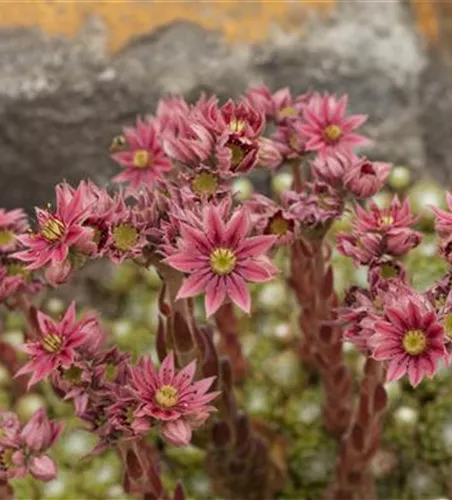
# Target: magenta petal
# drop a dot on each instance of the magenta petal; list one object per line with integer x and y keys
{"x": 214, "y": 226}
{"x": 397, "y": 368}
{"x": 177, "y": 432}
{"x": 185, "y": 377}
{"x": 238, "y": 292}
{"x": 386, "y": 351}
{"x": 43, "y": 468}
{"x": 46, "y": 324}
{"x": 195, "y": 237}
{"x": 202, "y": 386}
{"x": 237, "y": 228}
{"x": 415, "y": 374}
{"x": 186, "y": 262}
{"x": 194, "y": 284}
{"x": 252, "y": 271}
{"x": 215, "y": 295}
{"x": 166, "y": 371}
{"x": 256, "y": 246}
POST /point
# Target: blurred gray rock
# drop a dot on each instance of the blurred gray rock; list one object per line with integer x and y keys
{"x": 62, "y": 100}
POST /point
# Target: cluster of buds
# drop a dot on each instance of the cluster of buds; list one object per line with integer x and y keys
{"x": 14, "y": 277}
{"x": 380, "y": 233}
{"x": 177, "y": 210}
{"x": 23, "y": 449}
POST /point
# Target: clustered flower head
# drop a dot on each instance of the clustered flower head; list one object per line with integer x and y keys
{"x": 176, "y": 209}
{"x": 118, "y": 400}
{"x": 380, "y": 232}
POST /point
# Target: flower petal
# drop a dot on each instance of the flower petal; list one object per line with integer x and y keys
{"x": 239, "y": 292}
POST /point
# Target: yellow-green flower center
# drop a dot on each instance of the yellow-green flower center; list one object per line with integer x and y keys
{"x": 51, "y": 342}
{"x": 440, "y": 301}
{"x": 124, "y": 237}
{"x": 130, "y": 415}
{"x": 388, "y": 271}
{"x": 17, "y": 269}
{"x": 386, "y": 220}
{"x": 414, "y": 342}
{"x": 166, "y": 396}
{"x": 279, "y": 226}
{"x": 73, "y": 374}
{"x": 142, "y": 158}
{"x": 204, "y": 183}
{"x": 111, "y": 372}
{"x": 6, "y": 458}
{"x": 6, "y": 237}
{"x": 238, "y": 153}
{"x": 53, "y": 229}
{"x": 332, "y": 133}
{"x": 448, "y": 326}
{"x": 222, "y": 261}
{"x": 287, "y": 112}
{"x": 237, "y": 125}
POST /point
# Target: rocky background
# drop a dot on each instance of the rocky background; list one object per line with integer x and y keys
{"x": 71, "y": 74}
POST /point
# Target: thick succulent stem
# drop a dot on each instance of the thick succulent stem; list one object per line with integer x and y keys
{"x": 353, "y": 479}
{"x": 321, "y": 346}
{"x": 228, "y": 327}
{"x": 6, "y": 491}
{"x": 141, "y": 474}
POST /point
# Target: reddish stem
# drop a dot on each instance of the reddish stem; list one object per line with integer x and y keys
{"x": 312, "y": 281}
{"x": 228, "y": 327}
{"x": 353, "y": 478}
{"x": 297, "y": 176}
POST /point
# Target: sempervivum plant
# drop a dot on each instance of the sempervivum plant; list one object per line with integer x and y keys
{"x": 226, "y": 334}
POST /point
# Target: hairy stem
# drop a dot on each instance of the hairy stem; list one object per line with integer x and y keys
{"x": 321, "y": 346}
{"x": 228, "y": 327}
{"x": 353, "y": 479}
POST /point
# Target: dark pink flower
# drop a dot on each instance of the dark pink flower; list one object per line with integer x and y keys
{"x": 382, "y": 220}
{"x": 169, "y": 111}
{"x": 289, "y": 139}
{"x": 331, "y": 169}
{"x": 362, "y": 248}
{"x": 378, "y": 232}
{"x": 443, "y": 222}
{"x": 55, "y": 345}
{"x": 9, "y": 428}
{"x": 15, "y": 278}
{"x": 410, "y": 338}
{"x": 9, "y": 285}
{"x": 127, "y": 235}
{"x": 22, "y": 451}
{"x": 42, "y": 468}
{"x": 365, "y": 178}
{"x": 280, "y": 107}
{"x": 273, "y": 218}
{"x": 269, "y": 154}
{"x": 40, "y": 433}
{"x": 191, "y": 145}
{"x": 315, "y": 207}
{"x": 144, "y": 161}
{"x": 222, "y": 259}
{"x": 59, "y": 231}
{"x": 171, "y": 396}
{"x": 12, "y": 224}
{"x": 326, "y": 128}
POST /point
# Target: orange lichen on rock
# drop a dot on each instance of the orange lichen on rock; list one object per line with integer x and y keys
{"x": 239, "y": 21}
